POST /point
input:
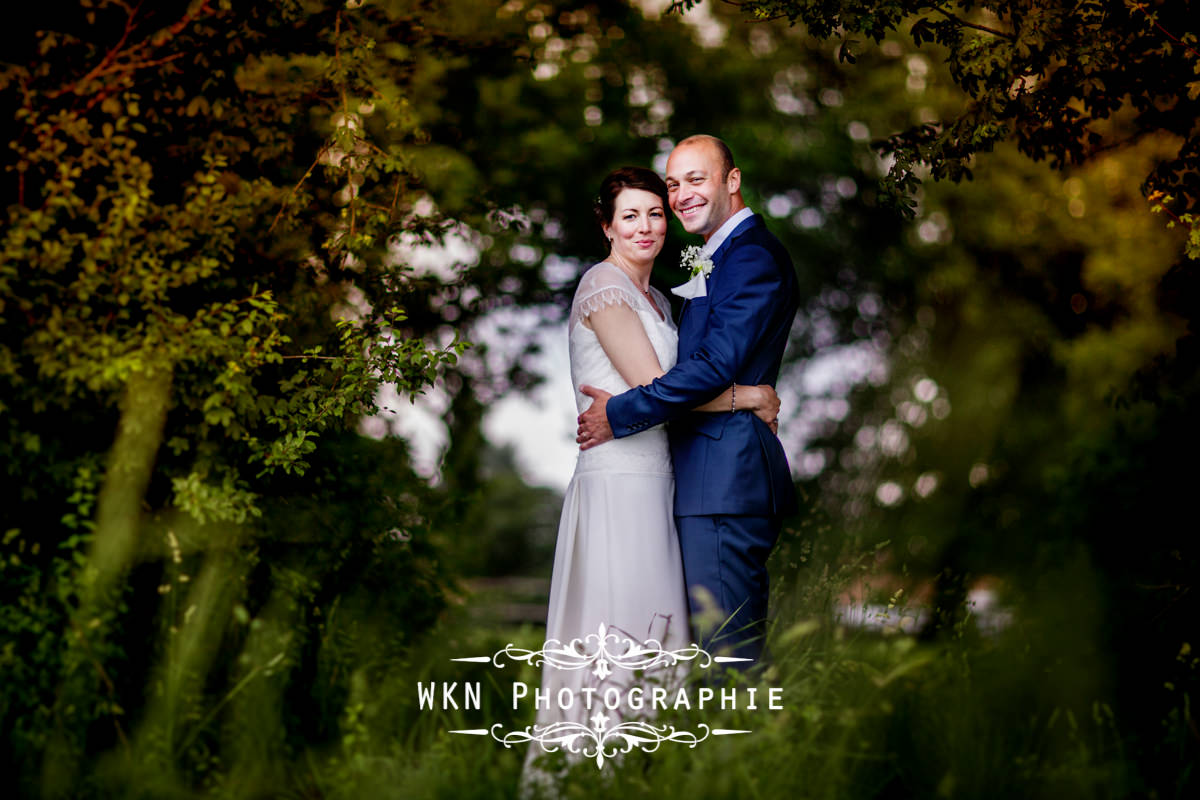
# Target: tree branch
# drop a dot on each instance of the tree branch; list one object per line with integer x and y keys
{"x": 112, "y": 62}
{"x": 737, "y": 4}
{"x": 984, "y": 28}
{"x": 1133, "y": 138}
{"x": 296, "y": 188}
{"x": 109, "y": 57}
{"x": 1142, "y": 8}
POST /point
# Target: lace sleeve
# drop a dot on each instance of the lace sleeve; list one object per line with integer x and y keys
{"x": 601, "y": 286}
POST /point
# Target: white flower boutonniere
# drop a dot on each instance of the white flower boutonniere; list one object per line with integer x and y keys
{"x": 698, "y": 266}
{"x": 695, "y": 261}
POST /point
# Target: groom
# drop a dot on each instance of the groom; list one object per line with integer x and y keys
{"x": 732, "y": 482}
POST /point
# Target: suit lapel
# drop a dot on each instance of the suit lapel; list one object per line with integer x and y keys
{"x": 747, "y": 224}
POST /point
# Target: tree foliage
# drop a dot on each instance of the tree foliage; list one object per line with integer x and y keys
{"x": 201, "y": 209}
{"x": 1064, "y": 81}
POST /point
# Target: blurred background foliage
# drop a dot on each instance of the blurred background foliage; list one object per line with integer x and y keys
{"x": 234, "y": 235}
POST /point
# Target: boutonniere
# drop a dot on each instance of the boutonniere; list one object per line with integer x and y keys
{"x": 695, "y": 261}
{"x": 698, "y": 266}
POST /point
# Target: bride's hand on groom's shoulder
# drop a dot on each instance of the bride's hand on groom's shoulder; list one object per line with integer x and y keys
{"x": 593, "y": 422}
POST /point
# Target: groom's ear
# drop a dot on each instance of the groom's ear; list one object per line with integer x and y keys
{"x": 733, "y": 181}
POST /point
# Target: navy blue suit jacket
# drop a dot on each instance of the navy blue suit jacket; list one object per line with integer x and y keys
{"x": 725, "y": 463}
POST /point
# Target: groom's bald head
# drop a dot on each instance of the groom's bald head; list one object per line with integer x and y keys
{"x": 720, "y": 149}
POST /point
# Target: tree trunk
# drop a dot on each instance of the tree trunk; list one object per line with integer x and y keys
{"x": 87, "y": 692}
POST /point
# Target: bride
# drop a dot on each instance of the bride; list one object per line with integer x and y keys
{"x": 617, "y": 560}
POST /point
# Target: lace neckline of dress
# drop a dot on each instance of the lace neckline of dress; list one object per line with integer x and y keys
{"x": 650, "y": 297}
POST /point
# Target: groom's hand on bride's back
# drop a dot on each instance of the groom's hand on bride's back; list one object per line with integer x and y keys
{"x": 593, "y": 422}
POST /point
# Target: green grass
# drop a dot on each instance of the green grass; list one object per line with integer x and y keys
{"x": 864, "y": 716}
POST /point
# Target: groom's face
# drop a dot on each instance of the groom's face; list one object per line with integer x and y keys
{"x": 700, "y": 195}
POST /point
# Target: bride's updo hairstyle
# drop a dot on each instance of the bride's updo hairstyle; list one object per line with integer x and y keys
{"x": 619, "y": 180}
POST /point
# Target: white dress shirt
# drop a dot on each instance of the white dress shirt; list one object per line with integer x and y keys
{"x": 718, "y": 238}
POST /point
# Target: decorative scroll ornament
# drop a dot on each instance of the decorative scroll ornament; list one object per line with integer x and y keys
{"x": 600, "y": 742}
{"x": 602, "y": 652}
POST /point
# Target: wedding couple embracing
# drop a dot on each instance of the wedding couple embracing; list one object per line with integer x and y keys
{"x": 681, "y": 482}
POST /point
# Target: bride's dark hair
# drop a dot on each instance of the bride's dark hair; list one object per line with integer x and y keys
{"x": 625, "y": 178}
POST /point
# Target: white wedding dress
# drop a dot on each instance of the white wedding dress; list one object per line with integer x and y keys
{"x": 616, "y": 561}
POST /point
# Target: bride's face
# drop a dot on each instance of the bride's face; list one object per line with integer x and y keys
{"x": 638, "y": 227}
